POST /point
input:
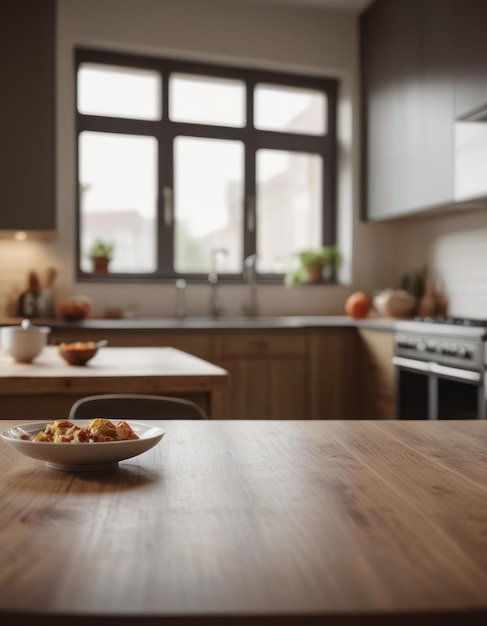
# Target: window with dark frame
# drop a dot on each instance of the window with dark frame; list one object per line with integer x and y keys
{"x": 185, "y": 168}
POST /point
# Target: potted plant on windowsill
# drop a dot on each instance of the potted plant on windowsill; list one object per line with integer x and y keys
{"x": 100, "y": 253}
{"x": 313, "y": 262}
{"x": 316, "y": 266}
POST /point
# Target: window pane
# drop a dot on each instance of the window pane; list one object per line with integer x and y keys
{"x": 208, "y": 199}
{"x": 290, "y": 109}
{"x": 119, "y": 92}
{"x": 118, "y": 198}
{"x": 289, "y": 204}
{"x": 205, "y": 100}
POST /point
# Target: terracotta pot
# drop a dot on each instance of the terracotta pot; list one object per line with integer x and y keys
{"x": 315, "y": 272}
{"x": 100, "y": 265}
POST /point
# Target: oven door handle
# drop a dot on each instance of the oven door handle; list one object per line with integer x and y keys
{"x": 412, "y": 364}
{"x": 426, "y": 367}
{"x": 454, "y": 373}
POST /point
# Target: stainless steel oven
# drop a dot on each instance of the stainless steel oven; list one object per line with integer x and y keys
{"x": 440, "y": 369}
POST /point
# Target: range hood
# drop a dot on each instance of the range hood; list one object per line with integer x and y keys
{"x": 470, "y": 166}
{"x": 477, "y": 115}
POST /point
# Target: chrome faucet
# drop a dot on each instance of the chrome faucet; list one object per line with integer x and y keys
{"x": 250, "y": 277}
{"x": 216, "y": 308}
{"x": 180, "y": 298}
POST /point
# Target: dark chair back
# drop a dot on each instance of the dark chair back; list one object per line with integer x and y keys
{"x": 122, "y": 406}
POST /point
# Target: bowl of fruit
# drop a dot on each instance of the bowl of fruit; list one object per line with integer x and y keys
{"x": 80, "y": 352}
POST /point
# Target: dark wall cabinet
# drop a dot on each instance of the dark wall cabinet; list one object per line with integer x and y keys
{"x": 27, "y": 115}
{"x": 424, "y": 63}
{"x": 470, "y": 55}
{"x": 392, "y": 107}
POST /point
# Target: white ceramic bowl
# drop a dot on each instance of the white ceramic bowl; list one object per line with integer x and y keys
{"x": 24, "y": 342}
{"x": 82, "y": 456}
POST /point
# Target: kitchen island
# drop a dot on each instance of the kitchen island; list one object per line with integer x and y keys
{"x": 48, "y": 387}
{"x": 249, "y": 522}
{"x": 279, "y": 367}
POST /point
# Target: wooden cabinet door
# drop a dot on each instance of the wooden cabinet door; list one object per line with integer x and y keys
{"x": 288, "y": 389}
{"x": 27, "y": 120}
{"x": 377, "y": 387}
{"x": 268, "y": 374}
{"x": 333, "y": 374}
{"x": 266, "y": 388}
{"x": 247, "y": 395}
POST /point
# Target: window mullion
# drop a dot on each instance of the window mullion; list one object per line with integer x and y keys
{"x": 166, "y": 187}
{"x": 329, "y": 174}
{"x": 250, "y": 207}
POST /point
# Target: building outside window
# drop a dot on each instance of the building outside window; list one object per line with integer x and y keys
{"x": 182, "y": 166}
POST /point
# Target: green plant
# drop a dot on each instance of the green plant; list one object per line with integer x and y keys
{"x": 310, "y": 257}
{"x": 100, "y": 248}
{"x": 326, "y": 257}
{"x": 332, "y": 255}
{"x": 414, "y": 282}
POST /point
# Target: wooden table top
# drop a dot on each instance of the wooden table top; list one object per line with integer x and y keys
{"x": 358, "y": 522}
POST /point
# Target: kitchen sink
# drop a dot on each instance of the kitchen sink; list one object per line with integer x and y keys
{"x": 207, "y": 321}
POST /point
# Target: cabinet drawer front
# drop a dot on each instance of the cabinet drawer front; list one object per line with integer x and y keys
{"x": 263, "y": 344}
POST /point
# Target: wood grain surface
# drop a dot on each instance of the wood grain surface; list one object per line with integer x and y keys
{"x": 49, "y": 382}
{"x": 276, "y": 522}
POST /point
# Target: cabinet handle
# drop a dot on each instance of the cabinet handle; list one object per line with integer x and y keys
{"x": 411, "y": 364}
{"x": 456, "y": 374}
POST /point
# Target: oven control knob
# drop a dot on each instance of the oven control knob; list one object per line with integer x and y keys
{"x": 409, "y": 343}
{"x": 448, "y": 348}
{"x": 421, "y": 346}
{"x": 431, "y": 345}
{"x": 453, "y": 349}
{"x": 464, "y": 353}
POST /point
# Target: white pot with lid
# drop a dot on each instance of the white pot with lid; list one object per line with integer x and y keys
{"x": 24, "y": 342}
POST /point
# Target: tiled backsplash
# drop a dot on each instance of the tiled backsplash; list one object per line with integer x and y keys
{"x": 454, "y": 248}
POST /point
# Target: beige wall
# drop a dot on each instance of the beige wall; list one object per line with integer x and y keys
{"x": 287, "y": 38}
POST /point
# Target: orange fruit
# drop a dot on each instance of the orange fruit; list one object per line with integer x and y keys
{"x": 358, "y": 305}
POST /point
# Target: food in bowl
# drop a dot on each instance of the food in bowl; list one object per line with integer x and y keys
{"x": 100, "y": 430}
{"x": 79, "y": 352}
